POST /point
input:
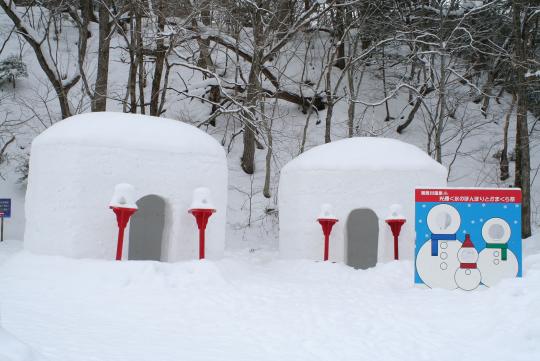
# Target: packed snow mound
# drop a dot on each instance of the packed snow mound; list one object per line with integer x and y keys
{"x": 353, "y": 174}
{"x": 130, "y": 131}
{"x": 11, "y": 349}
{"x": 365, "y": 153}
{"x": 79, "y": 163}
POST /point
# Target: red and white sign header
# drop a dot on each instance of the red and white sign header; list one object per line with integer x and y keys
{"x": 469, "y": 195}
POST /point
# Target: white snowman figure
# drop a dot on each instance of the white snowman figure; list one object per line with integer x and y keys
{"x": 496, "y": 261}
{"x": 437, "y": 259}
{"x": 467, "y": 276}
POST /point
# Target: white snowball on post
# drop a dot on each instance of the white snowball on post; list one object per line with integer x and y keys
{"x": 123, "y": 196}
{"x": 396, "y": 212}
{"x": 202, "y": 199}
{"x": 326, "y": 212}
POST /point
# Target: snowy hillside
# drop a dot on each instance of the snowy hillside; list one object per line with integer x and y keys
{"x": 470, "y": 142}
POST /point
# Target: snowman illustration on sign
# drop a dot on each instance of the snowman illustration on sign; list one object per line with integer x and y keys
{"x": 437, "y": 259}
{"x": 468, "y": 276}
{"x": 496, "y": 261}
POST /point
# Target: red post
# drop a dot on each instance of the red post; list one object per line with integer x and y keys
{"x": 327, "y": 224}
{"x": 201, "y": 216}
{"x": 122, "y": 218}
{"x": 395, "y": 227}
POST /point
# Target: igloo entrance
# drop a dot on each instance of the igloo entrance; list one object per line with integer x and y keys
{"x": 362, "y": 235}
{"x": 146, "y": 229}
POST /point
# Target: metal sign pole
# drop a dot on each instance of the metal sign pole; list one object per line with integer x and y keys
{"x": 2, "y": 227}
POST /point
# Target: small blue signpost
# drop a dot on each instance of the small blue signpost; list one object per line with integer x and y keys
{"x": 5, "y": 212}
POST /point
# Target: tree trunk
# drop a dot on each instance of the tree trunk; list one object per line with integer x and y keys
{"x": 351, "y": 110}
{"x": 63, "y": 99}
{"x": 205, "y": 60}
{"x": 523, "y": 165}
{"x": 140, "y": 58}
{"x": 248, "y": 155}
{"x": 268, "y": 171}
{"x": 168, "y": 67}
{"x": 330, "y": 107}
{"x": 385, "y": 94}
{"x": 82, "y": 24}
{"x": 441, "y": 116}
{"x": 487, "y": 93}
{"x": 411, "y": 79}
{"x": 159, "y": 61}
{"x": 132, "y": 77}
{"x": 328, "y": 123}
{"x": 99, "y": 101}
{"x": 505, "y": 173}
{"x": 252, "y": 96}
{"x": 339, "y": 26}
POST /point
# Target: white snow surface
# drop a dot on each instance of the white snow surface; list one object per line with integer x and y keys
{"x": 11, "y": 349}
{"x": 129, "y": 131}
{"x": 250, "y": 306}
{"x": 396, "y": 212}
{"x": 202, "y": 199}
{"x": 124, "y": 196}
{"x": 370, "y": 153}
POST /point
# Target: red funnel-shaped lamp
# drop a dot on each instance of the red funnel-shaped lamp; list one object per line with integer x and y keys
{"x": 202, "y": 209}
{"x": 123, "y": 205}
{"x": 326, "y": 220}
{"x": 396, "y": 221}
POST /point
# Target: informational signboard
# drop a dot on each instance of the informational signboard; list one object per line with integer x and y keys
{"x": 467, "y": 237}
{"x": 5, "y": 207}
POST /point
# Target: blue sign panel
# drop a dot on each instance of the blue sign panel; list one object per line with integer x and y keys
{"x": 5, "y": 207}
{"x": 467, "y": 237}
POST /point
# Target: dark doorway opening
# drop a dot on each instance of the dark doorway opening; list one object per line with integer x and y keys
{"x": 146, "y": 229}
{"x": 362, "y": 238}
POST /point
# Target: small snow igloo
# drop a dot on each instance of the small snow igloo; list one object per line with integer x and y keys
{"x": 76, "y": 164}
{"x": 361, "y": 178}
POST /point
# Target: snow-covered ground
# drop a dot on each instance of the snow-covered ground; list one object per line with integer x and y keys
{"x": 11, "y": 349}
{"x": 251, "y": 306}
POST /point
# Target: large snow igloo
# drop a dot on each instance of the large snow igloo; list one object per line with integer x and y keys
{"x": 76, "y": 163}
{"x": 361, "y": 178}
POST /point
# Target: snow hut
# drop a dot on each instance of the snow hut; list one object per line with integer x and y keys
{"x": 362, "y": 179}
{"x": 76, "y": 164}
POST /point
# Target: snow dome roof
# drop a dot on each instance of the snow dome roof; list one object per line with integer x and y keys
{"x": 365, "y": 153}
{"x": 133, "y": 131}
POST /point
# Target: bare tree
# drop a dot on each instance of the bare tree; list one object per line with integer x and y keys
{"x": 60, "y": 83}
